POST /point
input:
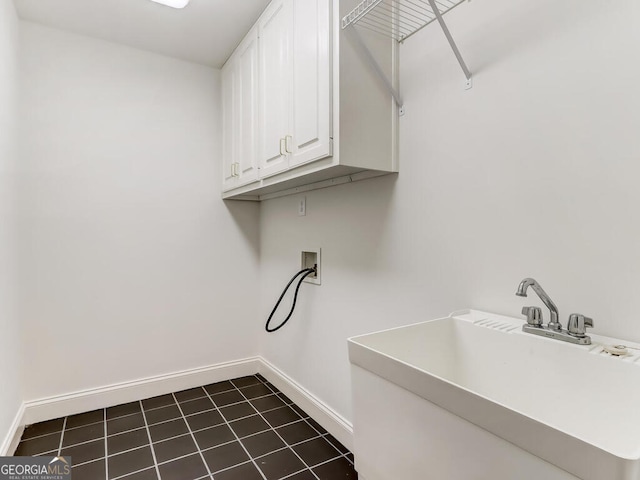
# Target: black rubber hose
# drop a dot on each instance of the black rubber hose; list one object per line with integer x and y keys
{"x": 304, "y": 273}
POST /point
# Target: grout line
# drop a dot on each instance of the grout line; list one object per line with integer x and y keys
{"x": 294, "y": 474}
{"x": 238, "y": 438}
{"x": 130, "y": 474}
{"x": 85, "y": 425}
{"x": 45, "y": 454}
{"x": 286, "y": 447}
{"x": 232, "y": 466}
{"x": 153, "y": 452}
{"x": 174, "y": 394}
{"x": 156, "y": 408}
{"x": 89, "y": 461}
{"x": 22, "y": 440}
{"x": 249, "y": 401}
{"x": 196, "y": 413}
{"x": 106, "y": 446}
{"x": 348, "y": 459}
{"x": 329, "y": 442}
{"x": 64, "y": 425}
{"x": 233, "y": 381}
{"x": 125, "y": 432}
{"x": 264, "y": 411}
{"x": 337, "y": 449}
{"x": 311, "y": 425}
{"x": 325, "y": 462}
{"x": 99, "y": 438}
{"x": 193, "y": 437}
{"x": 121, "y": 477}
{"x": 221, "y": 391}
{"x": 190, "y": 454}
{"x": 164, "y": 440}
{"x": 116, "y": 418}
{"x": 177, "y": 418}
{"x": 219, "y": 445}
{"x": 276, "y": 432}
{"x": 119, "y": 416}
{"x": 58, "y": 431}
{"x": 243, "y": 401}
{"x": 127, "y": 451}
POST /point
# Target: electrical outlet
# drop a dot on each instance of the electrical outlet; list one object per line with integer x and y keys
{"x": 302, "y": 207}
{"x": 310, "y": 259}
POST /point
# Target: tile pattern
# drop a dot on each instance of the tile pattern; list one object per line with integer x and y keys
{"x": 241, "y": 429}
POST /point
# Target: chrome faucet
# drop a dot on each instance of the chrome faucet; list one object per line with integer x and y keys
{"x": 554, "y": 324}
{"x": 576, "y": 328}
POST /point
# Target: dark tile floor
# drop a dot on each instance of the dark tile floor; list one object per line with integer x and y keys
{"x": 242, "y": 429}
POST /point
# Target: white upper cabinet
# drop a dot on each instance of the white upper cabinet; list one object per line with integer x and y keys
{"x": 228, "y": 129}
{"x": 300, "y": 106}
{"x": 310, "y": 130}
{"x": 275, "y": 32}
{"x": 240, "y": 115}
{"x": 295, "y": 84}
{"x": 246, "y": 109}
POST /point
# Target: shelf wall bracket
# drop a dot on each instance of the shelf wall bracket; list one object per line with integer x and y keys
{"x": 451, "y": 41}
{"x": 375, "y": 66}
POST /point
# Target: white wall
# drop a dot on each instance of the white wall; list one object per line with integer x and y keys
{"x": 10, "y": 365}
{"x": 534, "y": 172}
{"x": 132, "y": 265}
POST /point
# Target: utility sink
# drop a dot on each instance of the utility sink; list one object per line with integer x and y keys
{"x": 576, "y": 407}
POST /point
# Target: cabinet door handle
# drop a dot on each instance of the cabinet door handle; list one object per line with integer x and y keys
{"x": 281, "y": 149}
{"x": 237, "y": 169}
{"x": 286, "y": 144}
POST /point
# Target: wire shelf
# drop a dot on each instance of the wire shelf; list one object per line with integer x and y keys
{"x": 398, "y": 19}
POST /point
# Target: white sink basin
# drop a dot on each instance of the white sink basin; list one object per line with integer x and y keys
{"x": 574, "y": 406}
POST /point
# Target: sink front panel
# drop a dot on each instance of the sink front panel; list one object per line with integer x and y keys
{"x": 399, "y": 435}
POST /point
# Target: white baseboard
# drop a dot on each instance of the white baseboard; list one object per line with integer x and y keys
{"x": 44, "y": 409}
{"x": 332, "y": 421}
{"x": 10, "y": 442}
{"x": 125, "y": 392}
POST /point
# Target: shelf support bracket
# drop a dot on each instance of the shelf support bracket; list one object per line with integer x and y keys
{"x": 452, "y": 43}
{"x": 375, "y": 66}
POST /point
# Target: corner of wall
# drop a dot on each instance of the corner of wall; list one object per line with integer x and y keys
{"x": 10, "y": 344}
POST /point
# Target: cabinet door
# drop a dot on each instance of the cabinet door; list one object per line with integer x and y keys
{"x": 228, "y": 127}
{"x": 246, "y": 109}
{"x": 311, "y": 121}
{"x": 275, "y": 31}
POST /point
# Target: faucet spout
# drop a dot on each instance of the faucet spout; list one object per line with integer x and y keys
{"x": 554, "y": 324}
{"x": 524, "y": 285}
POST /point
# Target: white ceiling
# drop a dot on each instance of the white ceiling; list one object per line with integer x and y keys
{"x": 205, "y": 31}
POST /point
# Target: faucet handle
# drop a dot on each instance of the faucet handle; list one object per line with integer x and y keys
{"x": 578, "y": 324}
{"x": 534, "y": 315}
